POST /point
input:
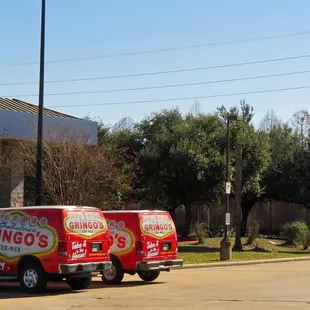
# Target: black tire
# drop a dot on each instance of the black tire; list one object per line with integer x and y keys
{"x": 115, "y": 275}
{"x": 32, "y": 279}
{"x": 148, "y": 276}
{"x": 79, "y": 283}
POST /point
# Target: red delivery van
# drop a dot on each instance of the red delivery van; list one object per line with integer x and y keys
{"x": 53, "y": 243}
{"x": 143, "y": 242}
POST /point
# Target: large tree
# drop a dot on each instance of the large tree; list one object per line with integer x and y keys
{"x": 285, "y": 178}
{"x": 182, "y": 159}
{"x": 256, "y": 160}
{"x": 255, "y": 157}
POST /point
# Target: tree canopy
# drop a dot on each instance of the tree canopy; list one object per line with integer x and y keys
{"x": 171, "y": 160}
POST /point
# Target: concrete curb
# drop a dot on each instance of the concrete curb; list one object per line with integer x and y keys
{"x": 242, "y": 263}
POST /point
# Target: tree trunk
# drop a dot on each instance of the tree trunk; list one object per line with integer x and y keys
{"x": 271, "y": 215}
{"x": 172, "y": 213}
{"x": 245, "y": 213}
{"x": 188, "y": 214}
{"x": 238, "y": 210}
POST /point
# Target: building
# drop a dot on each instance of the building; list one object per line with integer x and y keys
{"x": 18, "y": 121}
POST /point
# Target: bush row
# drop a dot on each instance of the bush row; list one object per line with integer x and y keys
{"x": 294, "y": 233}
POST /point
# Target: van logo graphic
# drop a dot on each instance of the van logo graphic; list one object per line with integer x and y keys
{"x": 158, "y": 226}
{"x": 23, "y": 234}
{"x": 87, "y": 224}
{"x": 122, "y": 239}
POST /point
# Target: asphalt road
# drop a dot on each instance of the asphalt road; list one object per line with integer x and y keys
{"x": 270, "y": 286}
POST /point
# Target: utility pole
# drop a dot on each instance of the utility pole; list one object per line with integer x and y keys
{"x": 238, "y": 191}
{"x": 225, "y": 246}
{"x": 38, "y": 201}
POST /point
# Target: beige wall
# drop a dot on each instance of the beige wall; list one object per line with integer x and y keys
{"x": 11, "y": 174}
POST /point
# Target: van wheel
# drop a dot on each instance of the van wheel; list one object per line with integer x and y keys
{"x": 79, "y": 283}
{"x": 32, "y": 279}
{"x": 114, "y": 275}
{"x": 148, "y": 276}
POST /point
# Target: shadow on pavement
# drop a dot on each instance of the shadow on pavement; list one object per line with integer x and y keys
{"x": 11, "y": 290}
{"x": 100, "y": 284}
{"x": 198, "y": 249}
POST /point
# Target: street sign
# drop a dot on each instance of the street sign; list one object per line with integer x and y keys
{"x": 227, "y": 219}
{"x": 228, "y": 188}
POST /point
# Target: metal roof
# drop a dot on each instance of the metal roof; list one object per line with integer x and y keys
{"x": 16, "y": 105}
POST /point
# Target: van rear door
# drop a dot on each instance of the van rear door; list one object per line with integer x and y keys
{"x": 160, "y": 235}
{"x": 87, "y": 235}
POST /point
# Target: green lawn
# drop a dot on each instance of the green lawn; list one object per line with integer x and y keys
{"x": 261, "y": 249}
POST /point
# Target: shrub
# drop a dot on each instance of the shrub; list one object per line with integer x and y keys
{"x": 296, "y": 232}
{"x": 200, "y": 231}
{"x": 306, "y": 242}
{"x": 220, "y": 231}
{"x": 253, "y": 232}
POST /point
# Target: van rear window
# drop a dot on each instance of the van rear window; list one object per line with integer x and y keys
{"x": 157, "y": 225}
{"x": 85, "y": 223}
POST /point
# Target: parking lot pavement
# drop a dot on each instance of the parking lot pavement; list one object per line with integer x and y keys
{"x": 269, "y": 286}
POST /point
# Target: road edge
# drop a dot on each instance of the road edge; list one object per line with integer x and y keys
{"x": 249, "y": 262}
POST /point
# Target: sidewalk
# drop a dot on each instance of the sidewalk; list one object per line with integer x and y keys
{"x": 250, "y": 262}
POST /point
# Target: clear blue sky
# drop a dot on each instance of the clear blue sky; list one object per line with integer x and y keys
{"x": 80, "y": 28}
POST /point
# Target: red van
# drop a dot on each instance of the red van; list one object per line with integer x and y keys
{"x": 142, "y": 242}
{"x": 53, "y": 243}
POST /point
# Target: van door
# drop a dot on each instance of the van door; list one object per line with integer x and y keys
{"x": 160, "y": 234}
{"x": 88, "y": 235}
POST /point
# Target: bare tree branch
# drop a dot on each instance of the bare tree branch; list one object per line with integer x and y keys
{"x": 76, "y": 173}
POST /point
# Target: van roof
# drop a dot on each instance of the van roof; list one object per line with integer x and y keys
{"x": 47, "y": 207}
{"x": 133, "y": 211}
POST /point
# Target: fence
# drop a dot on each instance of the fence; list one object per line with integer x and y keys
{"x": 271, "y": 215}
